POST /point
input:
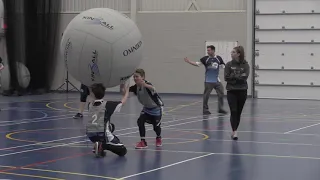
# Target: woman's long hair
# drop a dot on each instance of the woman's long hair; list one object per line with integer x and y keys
{"x": 240, "y": 50}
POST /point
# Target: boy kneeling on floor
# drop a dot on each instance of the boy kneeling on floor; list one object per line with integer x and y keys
{"x": 99, "y": 128}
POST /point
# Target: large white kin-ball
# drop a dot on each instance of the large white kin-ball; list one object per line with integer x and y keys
{"x": 101, "y": 45}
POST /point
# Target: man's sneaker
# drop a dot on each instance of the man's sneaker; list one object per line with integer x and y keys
{"x": 78, "y": 116}
{"x": 221, "y": 111}
{"x": 141, "y": 145}
{"x": 158, "y": 142}
{"x": 206, "y": 112}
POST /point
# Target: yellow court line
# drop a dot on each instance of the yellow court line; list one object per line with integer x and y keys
{"x": 190, "y": 141}
{"x": 69, "y": 107}
{"x": 9, "y": 136}
{"x": 182, "y": 106}
{"x": 28, "y": 175}
{"x": 48, "y": 105}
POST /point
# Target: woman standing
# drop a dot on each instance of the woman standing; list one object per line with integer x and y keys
{"x": 236, "y": 74}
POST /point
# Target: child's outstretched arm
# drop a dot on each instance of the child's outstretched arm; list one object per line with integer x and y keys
{"x": 123, "y": 87}
{"x": 126, "y": 88}
{"x": 125, "y": 94}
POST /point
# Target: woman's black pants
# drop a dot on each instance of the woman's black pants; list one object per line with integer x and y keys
{"x": 236, "y": 101}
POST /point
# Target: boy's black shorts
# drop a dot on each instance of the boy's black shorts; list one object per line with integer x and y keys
{"x": 150, "y": 119}
{"x": 84, "y": 93}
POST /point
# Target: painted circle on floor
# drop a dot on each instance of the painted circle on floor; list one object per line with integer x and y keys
{"x": 56, "y": 142}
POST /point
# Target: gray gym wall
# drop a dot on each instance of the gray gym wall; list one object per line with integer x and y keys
{"x": 170, "y": 33}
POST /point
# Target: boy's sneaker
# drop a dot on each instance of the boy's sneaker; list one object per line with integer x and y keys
{"x": 98, "y": 149}
{"x": 141, "y": 145}
{"x": 115, "y": 141}
{"x": 95, "y": 148}
{"x": 111, "y": 127}
{"x": 78, "y": 116}
{"x": 158, "y": 142}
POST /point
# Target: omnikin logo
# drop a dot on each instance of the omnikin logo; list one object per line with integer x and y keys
{"x": 94, "y": 66}
{"x": 67, "y": 49}
{"x": 132, "y": 49}
{"x": 101, "y": 21}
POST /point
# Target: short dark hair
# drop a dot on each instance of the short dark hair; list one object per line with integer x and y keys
{"x": 141, "y": 72}
{"x": 98, "y": 90}
{"x": 211, "y": 47}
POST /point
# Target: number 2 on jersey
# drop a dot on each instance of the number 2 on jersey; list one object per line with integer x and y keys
{"x": 94, "y": 117}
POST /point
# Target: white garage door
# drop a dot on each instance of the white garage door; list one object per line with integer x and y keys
{"x": 287, "y": 49}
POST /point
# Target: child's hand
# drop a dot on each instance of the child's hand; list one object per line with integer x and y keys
{"x": 143, "y": 83}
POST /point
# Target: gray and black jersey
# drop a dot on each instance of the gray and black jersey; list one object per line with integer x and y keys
{"x": 100, "y": 112}
{"x": 149, "y": 98}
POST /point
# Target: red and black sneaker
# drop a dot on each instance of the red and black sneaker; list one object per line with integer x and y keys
{"x": 141, "y": 145}
{"x": 158, "y": 142}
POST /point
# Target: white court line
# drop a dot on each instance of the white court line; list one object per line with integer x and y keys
{"x": 45, "y": 115}
{"x": 256, "y": 132}
{"x": 34, "y": 121}
{"x": 168, "y": 126}
{"x": 236, "y": 154}
{"x": 262, "y": 142}
{"x": 85, "y": 136}
{"x": 118, "y": 135}
{"x": 180, "y": 99}
{"x": 36, "y": 101}
{"x": 55, "y": 119}
{"x": 167, "y": 166}
{"x": 148, "y": 129}
{"x": 208, "y": 140}
{"x": 45, "y": 142}
{"x": 30, "y": 150}
{"x": 39, "y": 143}
{"x": 301, "y": 128}
{"x": 88, "y": 140}
{"x": 77, "y": 137}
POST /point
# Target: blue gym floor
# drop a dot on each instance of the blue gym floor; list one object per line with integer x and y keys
{"x": 278, "y": 139}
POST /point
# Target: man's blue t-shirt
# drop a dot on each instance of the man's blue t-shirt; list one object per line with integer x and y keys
{"x": 212, "y": 65}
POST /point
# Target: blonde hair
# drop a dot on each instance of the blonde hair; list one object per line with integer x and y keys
{"x": 141, "y": 72}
